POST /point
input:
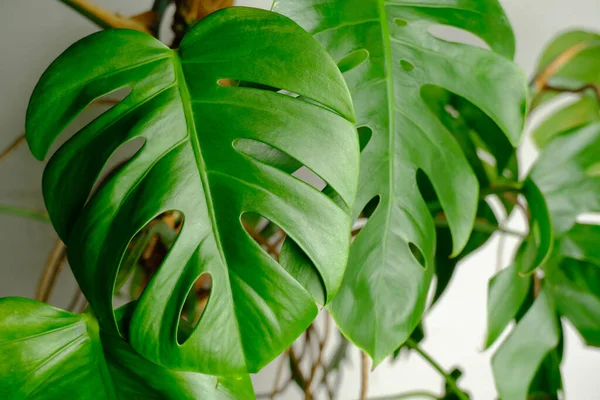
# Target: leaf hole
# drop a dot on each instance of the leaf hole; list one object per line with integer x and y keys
{"x": 407, "y": 65}
{"x": 194, "y": 306}
{"x": 426, "y": 187}
{"x": 229, "y": 82}
{"x": 269, "y": 155}
{"x": 264, "y": 232}
{"x": 144, "y": 255}
{"x": 473, "y": 129}
{"x": 353, "y": 60}
{"x": 365, "y": 214}
{"x": 452, "y": 111}
{"x": 418, "y": 254}
{"x": 370, "y": 207}
{"x": 117, "y": 160}
{"x": 364, "y": 136}
{"x": 457, "y": 35}
{"x": 275, "y": 242}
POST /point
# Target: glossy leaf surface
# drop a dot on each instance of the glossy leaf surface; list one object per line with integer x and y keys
{"x": 389, "y": 58}
{"x": 50, "y": 354}
{"x": 206, "y": 154}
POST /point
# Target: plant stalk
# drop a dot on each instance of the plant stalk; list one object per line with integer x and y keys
{"x": 364, "y": 382}
{"x": 24, "y": 212}
{"x": 12, "y": 147}
{"x": 408, "y": 395}
{"x": 104, "y": 18}
{"x": 449, "y": 379}
{"x": 53, "y": 266}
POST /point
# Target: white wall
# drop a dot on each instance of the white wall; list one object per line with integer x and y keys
{"x": 33, "y": 32}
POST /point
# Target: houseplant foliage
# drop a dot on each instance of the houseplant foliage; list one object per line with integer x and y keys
{"x": 198, "y": 129}
{"x": 395, "y": 69}
{"x": 246, "y": 99}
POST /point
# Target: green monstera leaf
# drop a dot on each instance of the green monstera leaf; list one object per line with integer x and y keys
{"x": 390, "y": 59}
{"x": 245, "y": 86}
{"x": 51, "y": 354}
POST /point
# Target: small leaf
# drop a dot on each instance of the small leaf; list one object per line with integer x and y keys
{"x": 561, "y": 173}
{"x": 51, "y": 354}
{"x": 582, "y": 112}
{"x": 517, "y": 360}
{"x": 540, "y": 240}
{"x": 581, "y": 243}
{"x": 506, "y": 293}
{"x": 572, "y": 59}
{"x": 575, "y": 287}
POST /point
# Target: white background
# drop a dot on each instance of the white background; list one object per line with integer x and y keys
{"x": 33, "y": 32}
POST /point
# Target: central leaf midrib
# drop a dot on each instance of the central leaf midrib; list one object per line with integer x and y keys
{"x": 186, "y": 101}
{"x": 391, "y": 101}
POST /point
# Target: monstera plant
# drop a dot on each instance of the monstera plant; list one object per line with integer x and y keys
{"x": 408, "y": 140}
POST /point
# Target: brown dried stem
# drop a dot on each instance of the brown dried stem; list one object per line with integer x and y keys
{"x": 319, "y": 360}
{"x": 276, "y": 388}
{"x": 541, "y": 79}
{"x": 581, "y": 89}
{"x": 364, "y": 381}
{"x": 12, "y": 147}
{"x": 188, "y": 12}
{"x": 75, "y": 300}
{"x": 298, "y": 375}
{"x": 105, "y": 18}
{"x": 51, "y": 271}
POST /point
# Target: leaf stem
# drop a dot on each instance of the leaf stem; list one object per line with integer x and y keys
{"x": 12, "y": 147}
{"x": 104, "y": 18}
{"x": 24, "y": 212}
{"x": 449, "y": 379}
{"x": 580, "y": 89}
{"x": 52, "y": 269}
{"x": 364, "y": 382}
{"x": 500, "y": 188}
{"x": 408, "y": 395}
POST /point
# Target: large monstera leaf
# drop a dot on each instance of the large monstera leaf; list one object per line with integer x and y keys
{"x": 213, "y": 123}
{"x": 390, "y": 59}
{"x": 51, "y": 354}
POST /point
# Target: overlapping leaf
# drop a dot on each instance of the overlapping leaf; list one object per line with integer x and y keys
{"x": 390, "y": 58}
{"x": 518, "y": 359}
{"x": 47, "y": 353}
{"x": 574, "y": 278}
{"x": 569, "y": 63}
{"x": 507, "y": 292}
{"x": 567, "y": 173}
{"x": 207, "y": 154}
